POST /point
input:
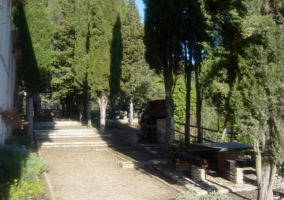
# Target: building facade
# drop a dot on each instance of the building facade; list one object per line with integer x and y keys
{"x": 8, "y": 94}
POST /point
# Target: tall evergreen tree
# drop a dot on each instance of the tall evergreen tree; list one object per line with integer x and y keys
{"x": 35, "y": 30}
{"x": 104, "y": 30}
{"x": 163, "y": 48}
{"x": 133, "y": 63}
{"x": 82, "y": 22}
{"x": 193, "y": 35}
{"x": 63, "y": 45}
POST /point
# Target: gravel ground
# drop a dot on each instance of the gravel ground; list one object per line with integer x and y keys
{"x": 84, "y": 173}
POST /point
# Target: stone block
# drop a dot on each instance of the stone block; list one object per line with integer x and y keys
{"x": 198, "y": 173}
{"x": 235, "y": 175}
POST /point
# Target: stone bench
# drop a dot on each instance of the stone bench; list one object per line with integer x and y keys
{"x": 234, "y": 169}
{"x": 209, "y": 155}
{"x": 191, "y": 164}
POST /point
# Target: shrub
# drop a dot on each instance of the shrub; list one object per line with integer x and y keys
{"x": 20, "y": 170}
{"x": 23, "y": 190}
{"x": 177, "y": 146}
{"x": 18, "y": 141}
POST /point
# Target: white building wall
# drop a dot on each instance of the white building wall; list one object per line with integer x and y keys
{"x": 7, "y": 68}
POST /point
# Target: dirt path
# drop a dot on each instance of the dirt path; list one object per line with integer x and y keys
{"x": 84, "y": 173}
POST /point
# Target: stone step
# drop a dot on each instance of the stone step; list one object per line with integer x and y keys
{"x": 72, "y": 136}
{"x": 66, "y": 133}
{"x": 58, "y": 123}
{"x": 71, "y": 139}
{"x": 73, "y": 144}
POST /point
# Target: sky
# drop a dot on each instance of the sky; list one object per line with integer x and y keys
{"x": 140, "y": 7}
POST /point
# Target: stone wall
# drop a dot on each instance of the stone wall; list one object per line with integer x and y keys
{"x": 7, "y": 63}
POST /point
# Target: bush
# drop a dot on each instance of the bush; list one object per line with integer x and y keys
{"x": 18, "y": 141}
{"x": 177, "y": 146}
{"x": 23, "y": 190}
{"x": 20, "y": 171}
{"x": 210, "y": 196}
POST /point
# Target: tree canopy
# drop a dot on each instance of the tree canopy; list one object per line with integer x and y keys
{"x": 35, "y": 31}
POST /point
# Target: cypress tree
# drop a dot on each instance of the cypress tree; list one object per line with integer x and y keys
{"x": 63, "y": 45}
{"x": 35, "y": 30}
{"x": 104, "y": 33}
{"x": 163, "y": 48}
{"x": 133, "y": 63}
{"x": 82, "y": 44}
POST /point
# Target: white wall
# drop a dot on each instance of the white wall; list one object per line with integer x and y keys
{"x": 7, "y": 66}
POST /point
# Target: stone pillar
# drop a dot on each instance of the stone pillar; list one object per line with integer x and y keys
{"x": 198, "y": 173}
{"x": 223, "y": 156}
{"x": 236, "y": 175}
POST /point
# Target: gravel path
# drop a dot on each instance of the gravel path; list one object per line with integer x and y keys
{"x": 84, "y": 173}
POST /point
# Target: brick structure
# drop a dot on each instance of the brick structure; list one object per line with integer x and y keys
{"x": 153, "y": 122}
{"x": 235, "y": 175}
{"x": 223, "y": 156}
{"x": 198, "y": 173}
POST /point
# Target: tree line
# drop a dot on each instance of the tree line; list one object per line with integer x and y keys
{"x": 229, "y": 53}
{"x": 81, "y": 50}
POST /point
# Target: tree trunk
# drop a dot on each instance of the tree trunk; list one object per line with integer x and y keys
{"x": 87, "y": 100}
{"x": 29, "y": 117}
{"x": 102, "y": 101}
{"x": 265, "y": 191}
{"x": 188, "y": 66}
{"x": 130, "y": 111}
{"x": 169, "y": 111}
{"x": 63, "y": 112}
{"x": 268, "y": 170}
{"x": 198, "y": 105}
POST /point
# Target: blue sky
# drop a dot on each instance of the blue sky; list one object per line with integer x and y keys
{"x": 140, "y": 7}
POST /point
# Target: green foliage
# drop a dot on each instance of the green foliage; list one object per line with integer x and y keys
{"x": 32, "y": 20}
{"x": 152, "y": 88}
{"x": 20, "y": 171}
{"x": 175, "y": 147}
{"x": 136, "y": 77}
{"x": 33, "y": 168}
{"x": 23, "y": 190}
{"x": 18, "y": 141}
{"x": 163, "y": 36}
{"x": 103, "y": 36}
{"x": 133, "y": 63}
{"x": 63, "y": 45}
{"x": 178, "y": 94}
{"x": 210, "y": 196}
{"x": 244, "y": 66}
